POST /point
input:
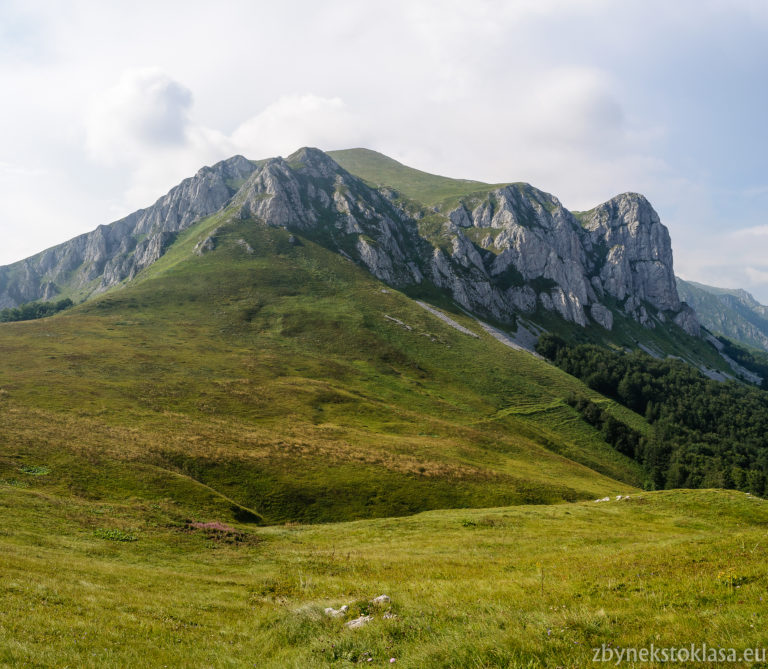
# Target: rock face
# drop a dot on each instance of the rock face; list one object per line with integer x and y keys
{"x": 513, "y": 249}
{"x": 310, "y": 193}
{"x": 533, "y": 253}
{"x": 112, "y": 253}
{"x": 635, "y": 252}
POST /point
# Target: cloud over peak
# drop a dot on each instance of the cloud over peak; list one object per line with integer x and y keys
{"x": 145, "y": 109}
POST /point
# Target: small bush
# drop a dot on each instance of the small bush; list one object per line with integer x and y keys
{"x": 35, "y": 470}
{"x": 221, "y": 532}
{"x": 114, "y": 535}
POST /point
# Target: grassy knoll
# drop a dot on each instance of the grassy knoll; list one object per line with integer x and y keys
{"x": 505, "y": 587}
{"x": 289, "y": 384}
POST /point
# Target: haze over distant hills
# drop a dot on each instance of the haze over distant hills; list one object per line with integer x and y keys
{"x": 734, "y": 313}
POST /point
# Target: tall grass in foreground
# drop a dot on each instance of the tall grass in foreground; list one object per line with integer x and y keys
{"x": 506, "y": 587}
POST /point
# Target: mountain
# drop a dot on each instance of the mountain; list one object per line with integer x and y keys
{"x": 501, "y": 252}
{"x": 275, "y": 361}
{"x": 290, "y": 357}
{"x": 97, "y": 260}
{"x": 733, "y": 313}
{"x": 252, "y": 373}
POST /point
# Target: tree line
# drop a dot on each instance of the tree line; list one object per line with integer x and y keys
{"x": 32, "y": 310}
{"x": 705, "y": 434}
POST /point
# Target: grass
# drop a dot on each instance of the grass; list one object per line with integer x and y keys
{"x": 427, "y": 189}
{"x": 272, "y": 386}
{"x": 503, "y": 587}
{"x": 114, "y": 534}
{"x": 174, "y": 450}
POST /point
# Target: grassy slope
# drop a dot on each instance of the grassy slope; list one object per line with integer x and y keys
{"x": 428, "y": 189}
{"x": 508, "y": 587}
{"x": 276, "y": 380}
{"x": 231, "y": 385}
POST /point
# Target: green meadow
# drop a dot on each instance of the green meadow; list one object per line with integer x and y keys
{"x": 195, "y": 465}
{"x": 524, "y": 586}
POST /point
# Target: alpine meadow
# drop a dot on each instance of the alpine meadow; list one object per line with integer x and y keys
{"x": 329, "y": 410}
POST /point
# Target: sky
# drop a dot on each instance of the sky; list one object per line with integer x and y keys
{"x": 106, "y": 106}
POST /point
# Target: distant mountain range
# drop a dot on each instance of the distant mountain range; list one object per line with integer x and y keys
{"x": 733, "y": 313}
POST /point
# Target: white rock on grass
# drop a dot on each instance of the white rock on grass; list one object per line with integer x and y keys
{"x": 380, "y": 600}
{"x": 336, "y": 613}
{"x": 358, "y": 622}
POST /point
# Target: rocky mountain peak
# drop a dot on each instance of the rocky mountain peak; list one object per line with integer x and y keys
{"x": 314, "y": 163}
{"x": 236, "y": 167}
{"x": 632, "y": 253}
{"x": 500, "y": 251}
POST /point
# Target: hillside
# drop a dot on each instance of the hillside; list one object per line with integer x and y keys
{"x": 305, "y": 353}
{"x": 428, "y": 189}
{"x": 733, "y": 313}
{"x": 511, "y": 254}
{"x": 287, "y": 391}
{"x": 283, "y": 379}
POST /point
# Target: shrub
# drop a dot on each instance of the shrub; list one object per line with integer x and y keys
{"x": 35, "y": 470}
{"x": 114, "y": 535}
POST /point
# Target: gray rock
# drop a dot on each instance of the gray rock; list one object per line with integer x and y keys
{"x": 115, "y": 252}
{"x": 639, "y": 252}
{"x": 602, "y": 315}
{"x": 534, "y": 253}
{"x": 687, "y": 320}
{"x": 336, "y": 613}
{"x": 245, "y": 246}
{"x": 205, "y": 245}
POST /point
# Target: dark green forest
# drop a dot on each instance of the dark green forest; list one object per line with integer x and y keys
{"x": 706, "y": 434}
{"x": 32, "y": 310}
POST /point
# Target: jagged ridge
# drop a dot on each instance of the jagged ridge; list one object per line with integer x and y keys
{"x": 507, "y": 250}
{"x": 97, "y": 260}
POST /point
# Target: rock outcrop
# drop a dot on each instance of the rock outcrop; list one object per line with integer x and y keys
{"x": 512, "y": 249}
{"x": 111, "y": 253}
{"x": 533, "y": 253}
{"x": 310, "y": 193}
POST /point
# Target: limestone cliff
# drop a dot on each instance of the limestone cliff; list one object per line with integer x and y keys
{"x": 94, "y": 261}
{"x": 498, "y": 252}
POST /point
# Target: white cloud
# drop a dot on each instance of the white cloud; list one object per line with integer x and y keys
{"x": 757, "y": 276}
{"x": 144, "y": 124}
{"x": 299, "y": 120}
{"x": 583, "y": 98}
{"x": 729, "y": 259}
{"x": 755, "y": 231}
{"x": 145, "y": 110}
{"x": 573, "y": 108}
{"x": 13, "y": 170}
